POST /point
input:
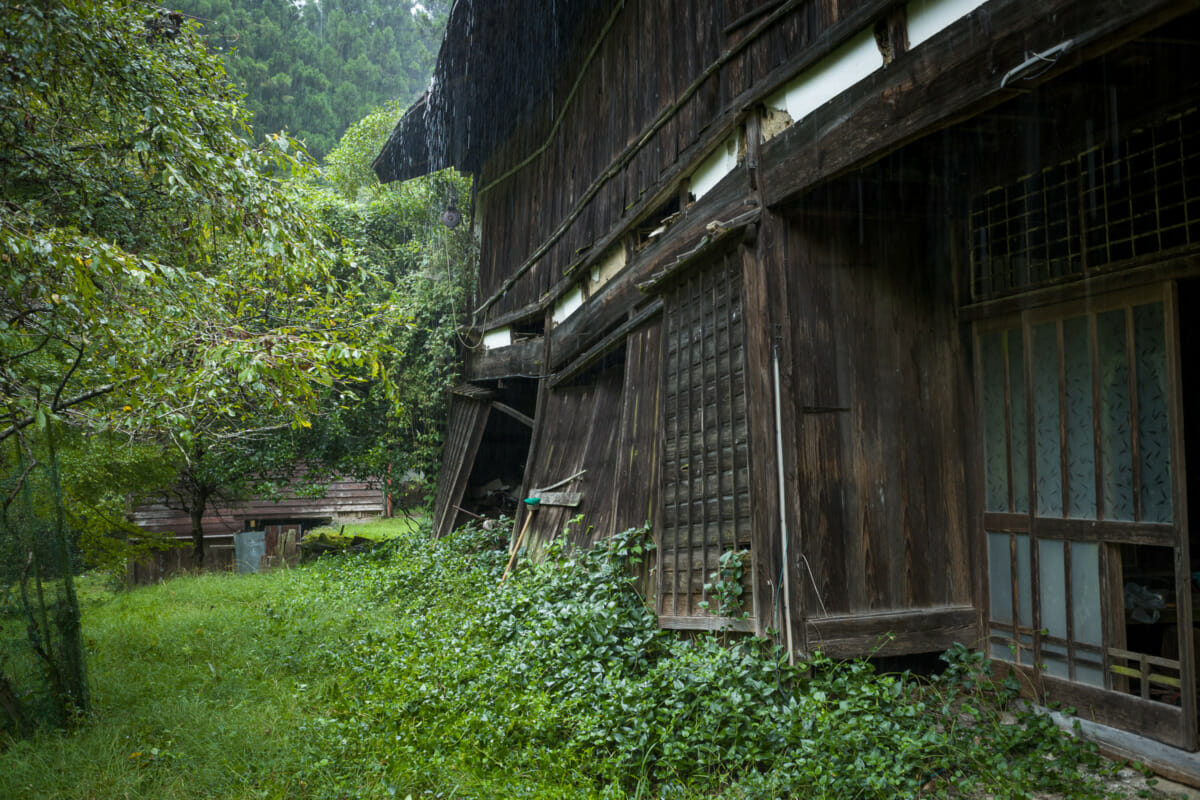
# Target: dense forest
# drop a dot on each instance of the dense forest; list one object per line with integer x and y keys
{"x": 313, "y": 68}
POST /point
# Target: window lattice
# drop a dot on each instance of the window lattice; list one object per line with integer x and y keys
{"x": 706, "y": 489}
{"x": 1107, "y": 205}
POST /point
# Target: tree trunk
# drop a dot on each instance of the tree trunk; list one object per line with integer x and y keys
{"x": 199, "y": 502}
{"x": 13, "y": 707}
{"x": 67, "y": 618}
{"x": 197, "y": 514}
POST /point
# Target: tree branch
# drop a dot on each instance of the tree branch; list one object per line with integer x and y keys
{"x": 21, "y": 424}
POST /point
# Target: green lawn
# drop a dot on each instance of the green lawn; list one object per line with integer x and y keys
{"x": 410, "y": 671}
{"x": 377, "y": 529}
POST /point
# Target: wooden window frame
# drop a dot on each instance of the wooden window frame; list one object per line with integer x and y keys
{"x": 1113, "y": 703}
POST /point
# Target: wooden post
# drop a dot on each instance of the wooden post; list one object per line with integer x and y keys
{"x": 532, "y": 502}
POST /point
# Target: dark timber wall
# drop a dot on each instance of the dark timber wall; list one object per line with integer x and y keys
{"x": 682, "y": 64}
{"x": 879, "y": 394}
{"x": 786, "y": 365}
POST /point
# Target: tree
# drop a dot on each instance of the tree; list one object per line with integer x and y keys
{"x": 158, "y": 284}
{"x": 395, "y": 232}
{"x": 313, "y": 68}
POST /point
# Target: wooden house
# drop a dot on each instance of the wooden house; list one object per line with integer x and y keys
{"x": 283, "y": 519}
{"x": 893, "y": 296}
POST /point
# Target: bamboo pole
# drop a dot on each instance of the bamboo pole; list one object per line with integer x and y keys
{"x": 532, "y": 502}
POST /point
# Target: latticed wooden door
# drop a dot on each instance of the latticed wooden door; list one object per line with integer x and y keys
{"x": 706, "y": 475}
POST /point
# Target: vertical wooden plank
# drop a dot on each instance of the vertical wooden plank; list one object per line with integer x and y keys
{"x": 766, "y": 558}
{"x": 679, "y": 475}
{"x": 1112, "y": 611}
{"x": 831, "y": 511}
{"x": 828, "y": 508}
{"x": 728, "y": 422}
{"x": 981, "y": 572}
{"x": 1069, "y": 592}
{"x": 1016, "y": 595}
{"x": 1097, "y": 429}
{"x": 706, "y": 297}
{"x": 687, "y": 437}
{"x": 1183, "y": 578}
{"x": 636, "y": 488}
{"x": 467, "y": 426}
{"x": 1008, "y": 426}
{"x": 1027, "y": 355}
{"x": 1064, "y": 462}
{"x": 600, "y": 455}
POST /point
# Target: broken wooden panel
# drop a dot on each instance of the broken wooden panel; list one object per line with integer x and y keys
{"x": 579, "y": 428}
{"x": 636, "y": 488}
{"x": 927, "y": 630}
{"x": 706, "y": 474}
{"x": 468, "y": 418}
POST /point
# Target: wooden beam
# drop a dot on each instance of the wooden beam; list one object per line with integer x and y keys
{"x": 955, "y": 75}
{"x": 923, "y": 630}
{"x": 615, "y": 298}
{"x": 1170, "y": 762}
{"x": 608, "y": 343}
{"x": 1130, "y": 274}
{"x": 519, "y": 360}
{"x": 565, "y": 499}
{"x": 1146, "y": 717}
{"x": 705, "y": 622}
{"x": 717, "y": 235}
{"x": 512, "y": 412}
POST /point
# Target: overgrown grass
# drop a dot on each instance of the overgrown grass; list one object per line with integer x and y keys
{"x": 409, "y": 671}
{"x": 379, "y": 529}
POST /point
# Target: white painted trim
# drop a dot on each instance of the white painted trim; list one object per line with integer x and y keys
{"x": 719, "y": 163}
{"x": 927, "y": 17}
{"x": 568, "y": 304}
{"x": 497, "y": 338}
{"x": 829, "y": 77}
{"x": 607, "y": 267}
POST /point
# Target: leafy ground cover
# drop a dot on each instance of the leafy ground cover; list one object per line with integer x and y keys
{"x": 411, "y": 671}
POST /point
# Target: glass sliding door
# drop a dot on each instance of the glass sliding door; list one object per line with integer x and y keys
{"x": 1088, "y": 563}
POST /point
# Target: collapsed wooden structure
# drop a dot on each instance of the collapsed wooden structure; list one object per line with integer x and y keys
{"x": 891, "y": 296}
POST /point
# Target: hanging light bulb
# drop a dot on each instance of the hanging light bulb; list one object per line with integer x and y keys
{"x": 451, "y": 216}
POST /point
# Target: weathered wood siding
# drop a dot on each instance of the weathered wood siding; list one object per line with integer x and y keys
{"x": 666, "y": 73}
{"x": 636, "y": 493}
{"x": 154, "y": 567}
{"x": 879, "y": 378}
{"x": 580, "y": 426}
{"x": 343, "y": 498}
{"x": 468, "y": 418}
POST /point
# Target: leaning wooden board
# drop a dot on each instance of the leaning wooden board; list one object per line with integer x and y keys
{"x": 568, "y": 499}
